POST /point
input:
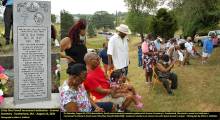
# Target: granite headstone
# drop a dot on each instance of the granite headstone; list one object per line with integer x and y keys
{"x": 32, "y": 50}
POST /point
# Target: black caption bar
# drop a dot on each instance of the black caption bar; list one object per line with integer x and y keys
{"x": 157, "y": 115}
{"x": 37, "y": 114}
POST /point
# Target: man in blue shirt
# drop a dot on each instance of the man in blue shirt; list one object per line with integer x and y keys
{"x": 104, "y": 56}
{"x": 207, "y": 48}
{"x": 8, "y": 20}
{"x": 139, "y": 56}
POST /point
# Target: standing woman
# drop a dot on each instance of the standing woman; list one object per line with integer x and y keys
{"x": 74, "y": 44}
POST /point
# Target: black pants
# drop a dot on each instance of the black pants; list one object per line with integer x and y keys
{"x": 173, "y": 78}
{"x": 8, "y": 20}
{"x": 124, "y": 71}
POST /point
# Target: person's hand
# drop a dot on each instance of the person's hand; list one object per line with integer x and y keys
{"x": 110, "y": 67}
{"x": 70, "y": 60}
{"x": 172, "y": 64}
{"x": 113, "y": 90}
{"x": 98, "y": 109}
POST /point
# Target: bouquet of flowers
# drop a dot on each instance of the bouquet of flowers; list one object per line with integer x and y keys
{"x": 3, "y": 81}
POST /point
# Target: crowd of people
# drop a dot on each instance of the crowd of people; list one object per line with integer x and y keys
{"x": 93, "y": 88}
{"x": 159, "y": 56}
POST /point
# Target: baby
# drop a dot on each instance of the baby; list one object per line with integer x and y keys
{"x": 122, "y": 89}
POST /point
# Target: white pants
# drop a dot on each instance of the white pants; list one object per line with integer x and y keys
{"x": 180, "y": 56}
{"x": 206, "y": 54}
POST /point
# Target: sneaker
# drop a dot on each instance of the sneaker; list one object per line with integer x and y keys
{"x": 139, "y": 105}
{"x": 148, "y": 84}
{"x": 119, "y": 110}
{"x": 138, "y": 97}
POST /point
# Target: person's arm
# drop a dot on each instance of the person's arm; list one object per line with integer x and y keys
{"x": 71, "y": 107}
{"x": 110, "y": 53}
{"x": 204, "y": 46}
{"x": 110, "y": 62}
{"x": 163, "y": 69}
{"x": 101, "y": 90}
{"x": 64, "y": 44}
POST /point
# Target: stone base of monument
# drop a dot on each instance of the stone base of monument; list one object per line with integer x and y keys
{"x": 53, "y": 103}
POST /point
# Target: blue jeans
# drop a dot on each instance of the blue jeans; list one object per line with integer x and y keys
{"x": 140, "y": 61}
{"x": 107, "y": 106}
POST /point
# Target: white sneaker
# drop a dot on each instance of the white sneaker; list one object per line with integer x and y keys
{"x": 148, "y": 84}
{"x": 119, "y": 110}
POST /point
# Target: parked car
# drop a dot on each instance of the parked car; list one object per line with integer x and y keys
{"x": 199, "y": 39}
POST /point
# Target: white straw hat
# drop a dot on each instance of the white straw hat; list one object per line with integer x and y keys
{"x": 124, "y": 29}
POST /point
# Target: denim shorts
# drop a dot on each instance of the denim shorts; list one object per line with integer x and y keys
{"x": 107, "y": 106}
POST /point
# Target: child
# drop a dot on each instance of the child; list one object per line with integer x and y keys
{"x": 123, "y": 89}
{"x": 103, "y": 55}
{"x": 139, "y": 56}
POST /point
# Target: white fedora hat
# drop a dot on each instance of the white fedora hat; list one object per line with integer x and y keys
{"x": 124, "y": 29}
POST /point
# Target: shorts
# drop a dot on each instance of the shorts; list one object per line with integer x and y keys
{"x": 117, "y": 101}
{"x": 124, "y": 71}
{"x": 181, "y": 57}
{"x": 205, "y": 54}
{"x": 107, "y": 106}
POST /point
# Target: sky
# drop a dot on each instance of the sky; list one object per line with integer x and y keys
{"x": 87, "y": 6}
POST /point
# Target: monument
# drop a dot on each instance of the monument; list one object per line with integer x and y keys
{"x": 32, "y": 50}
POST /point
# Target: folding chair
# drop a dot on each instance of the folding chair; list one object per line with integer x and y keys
{"x": 156, "y": 80}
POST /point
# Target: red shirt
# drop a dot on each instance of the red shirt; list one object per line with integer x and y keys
{"x": 95, "y": 79}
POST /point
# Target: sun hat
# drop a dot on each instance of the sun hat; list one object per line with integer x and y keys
{"x": 124, "y": 29}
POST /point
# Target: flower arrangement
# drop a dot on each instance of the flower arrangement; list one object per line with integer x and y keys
{"x": 3, "y": 81}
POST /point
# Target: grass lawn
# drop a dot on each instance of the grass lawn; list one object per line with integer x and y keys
{"x": 198, "y": 89}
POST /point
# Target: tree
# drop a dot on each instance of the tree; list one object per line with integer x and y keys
{"x": 138, "y": 23}
{"x": 91, "y": 30}
{"x": 195, "y": 15}
{"x": 53, "y": 18}
{"x": 164, "y": 24}
{"x": 102, "y": 19}
{"x": 138, "y": 16}
{"x": 67, "y": 21}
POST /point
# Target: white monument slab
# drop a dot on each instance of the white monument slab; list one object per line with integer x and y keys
{"x": 32, "y": 50}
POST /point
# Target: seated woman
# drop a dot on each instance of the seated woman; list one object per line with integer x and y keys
{"x": 123, "y": 89}
{"x": 74, "y": 97}
{"x": 163, "y": 68}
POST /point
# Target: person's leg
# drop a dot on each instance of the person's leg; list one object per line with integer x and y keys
{"x": 166, "y": 85}
{"x": 139, "y": 61}
{"x": 173, "y": 78}
{"x": 186, "y": 58}
{"x": 107, "y": 106}
{"x": 137, "y": 103}
{"x": 126, "y": 71}
{"x": 204, "y": 57}
{"x": 7, "y": 22}
{"x": 126, "y": 103}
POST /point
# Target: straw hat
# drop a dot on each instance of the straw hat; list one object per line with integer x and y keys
{"x": 124, "y": 29}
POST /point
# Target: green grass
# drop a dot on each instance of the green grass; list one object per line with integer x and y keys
{"x": 198, "y": 89}
{"x": 95, "y": 42}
